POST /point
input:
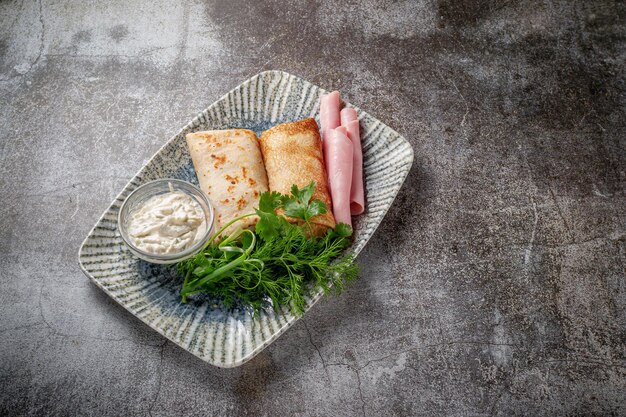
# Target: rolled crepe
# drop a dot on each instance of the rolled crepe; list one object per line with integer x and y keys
{"x": 293, "y": 155}
{"x": 329, "y": 112}
{"x": 350, "y": 121}
{"x": 339, "y": 165}
{"x": 230, "y": 171}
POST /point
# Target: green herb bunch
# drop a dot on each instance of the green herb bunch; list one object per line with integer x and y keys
{"x": 279, "y": 260}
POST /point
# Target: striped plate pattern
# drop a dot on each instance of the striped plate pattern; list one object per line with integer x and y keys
{"x": 221, "y": 336}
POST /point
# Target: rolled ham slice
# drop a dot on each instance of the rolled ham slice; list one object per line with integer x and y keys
{"x": 339, "y": 159}
{"x": 350, "y": 121}
{"x": 329, "y": 113}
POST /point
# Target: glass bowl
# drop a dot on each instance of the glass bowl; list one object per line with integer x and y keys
{"x": 157, "y": 187}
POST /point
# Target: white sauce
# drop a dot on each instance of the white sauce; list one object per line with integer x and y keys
{"x": 167, "y": 223}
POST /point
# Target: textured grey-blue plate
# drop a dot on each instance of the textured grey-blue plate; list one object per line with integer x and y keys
{"x": 221, "y": 336}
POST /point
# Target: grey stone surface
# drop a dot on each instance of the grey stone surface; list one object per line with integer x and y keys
{"x": 495, "y": 285}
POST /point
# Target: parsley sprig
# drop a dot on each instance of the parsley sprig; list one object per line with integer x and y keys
{"x": 278, "y": 262}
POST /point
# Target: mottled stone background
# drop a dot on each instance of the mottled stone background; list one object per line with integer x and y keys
{"x": 495, "y": 285}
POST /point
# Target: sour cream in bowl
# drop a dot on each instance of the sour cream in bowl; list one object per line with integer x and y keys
{"x": 166, "y": 221}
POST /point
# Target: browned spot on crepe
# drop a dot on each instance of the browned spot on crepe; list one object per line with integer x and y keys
{"x": 220, "y": 160}
{"x": 233, "y": 180}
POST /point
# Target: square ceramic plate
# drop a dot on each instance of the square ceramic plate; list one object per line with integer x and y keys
{"x": 221, "y": 336}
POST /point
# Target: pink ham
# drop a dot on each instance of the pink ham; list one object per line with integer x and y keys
{"x": 338, "y": 156}
{"x": 329, "y": 113}
{"x": 350, "y": 121}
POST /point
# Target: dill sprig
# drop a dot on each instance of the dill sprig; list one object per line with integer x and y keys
{"x": 279, "y": 261}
